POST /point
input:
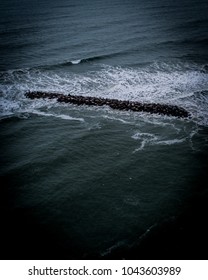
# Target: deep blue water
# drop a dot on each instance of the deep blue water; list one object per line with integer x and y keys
{"x": 85, "y": 182}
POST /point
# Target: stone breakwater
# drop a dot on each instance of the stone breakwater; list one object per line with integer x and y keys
{"x": 154, "y": 108}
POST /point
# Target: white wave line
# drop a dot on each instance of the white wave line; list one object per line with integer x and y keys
{"x": 61, "y": 116}
{"x": 170, "y": 142}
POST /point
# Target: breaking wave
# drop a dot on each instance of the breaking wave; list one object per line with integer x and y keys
{"x": 94, "y": 59}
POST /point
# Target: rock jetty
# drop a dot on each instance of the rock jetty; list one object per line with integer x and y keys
{"x": 154, "y": 108}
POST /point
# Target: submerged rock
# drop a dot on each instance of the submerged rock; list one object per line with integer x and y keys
{"x": 155, "y": 108}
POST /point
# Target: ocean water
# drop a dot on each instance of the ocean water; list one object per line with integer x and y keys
{"x": 84, "y": 182}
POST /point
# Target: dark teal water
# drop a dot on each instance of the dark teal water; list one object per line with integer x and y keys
{"x": 85, "y": 182}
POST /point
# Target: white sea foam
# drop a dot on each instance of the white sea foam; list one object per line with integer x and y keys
{"x": 144, "y": 139}
{"x": 8, "y": 107}
{"x": 77, "y": 61}
{"x": 141, "y": 147}
{"x": 171, "y": 141}
{"x": 159, "y": 82}
{"x": 163, "y": 123}
{"x": 61, "y": 116}
{"x": 142, "y": 135}
{"x": 117, "y": 119}
{"x": 149, "y": 139}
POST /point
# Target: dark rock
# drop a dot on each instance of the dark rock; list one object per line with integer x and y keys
{"x": 164, "y": 109}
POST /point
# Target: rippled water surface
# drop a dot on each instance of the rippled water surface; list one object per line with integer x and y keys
{"x": 83, "y": 182}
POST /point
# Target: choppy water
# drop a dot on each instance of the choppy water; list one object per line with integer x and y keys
{"x": 86, "y": 179}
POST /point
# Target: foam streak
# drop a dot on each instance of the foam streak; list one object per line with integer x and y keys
{"x": 154, "y": 108}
